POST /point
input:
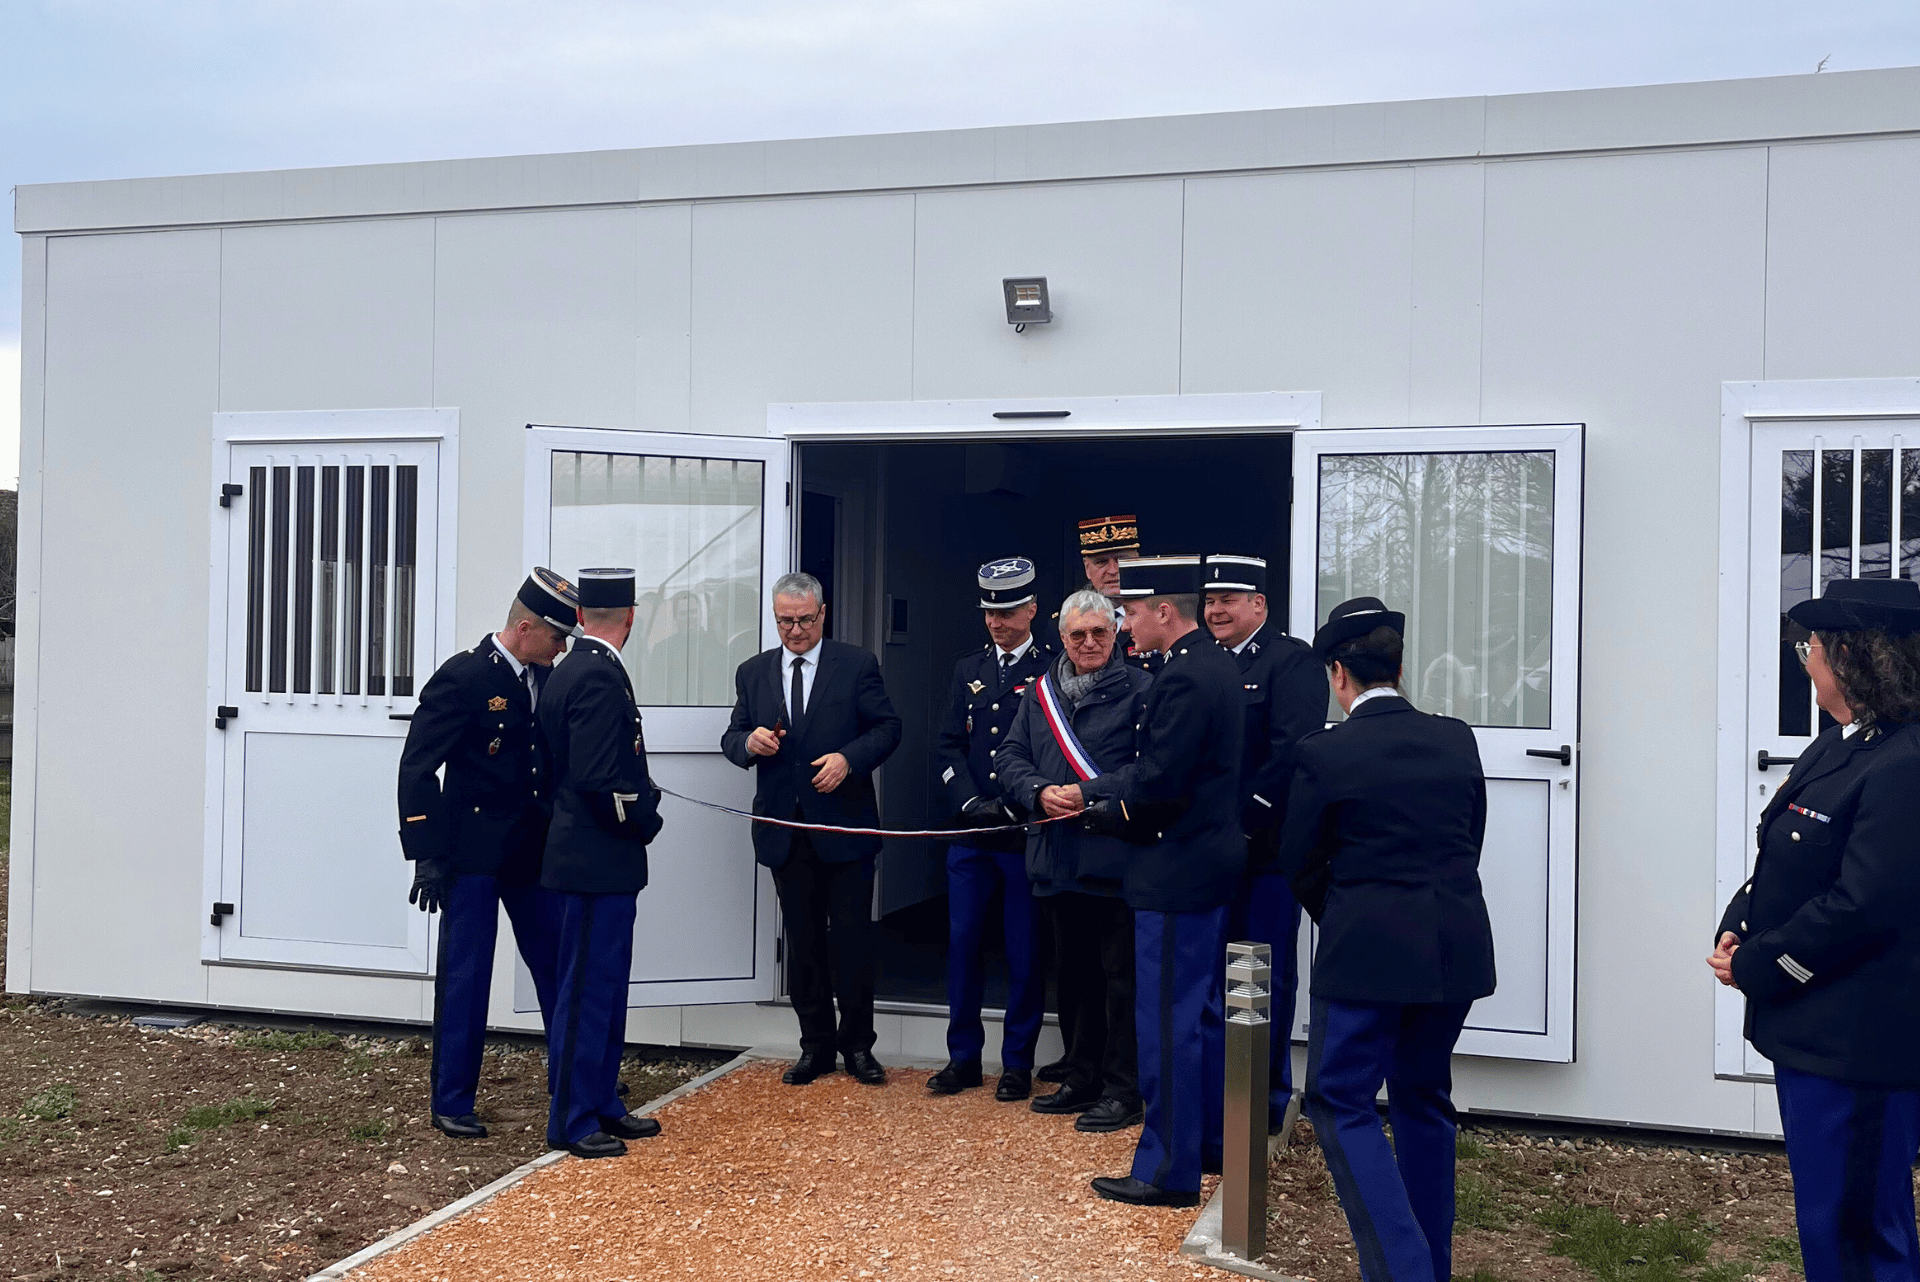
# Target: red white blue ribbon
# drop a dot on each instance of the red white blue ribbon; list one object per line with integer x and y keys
{"x": 1070, "y": 746}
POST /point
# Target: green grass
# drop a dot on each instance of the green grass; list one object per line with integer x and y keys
{"x": 1781, "y": 1248}
{"x": 50, "y": 1104}
{"x": 286, "y": 1041}
{"x": 372, "y": 1130}
{"x": 179, "y": 1137}
{"x": 1477, "y": 1203}
{"x": 1469, "y": 1149}
{"x": 1616, "y": 1251}
{"x": 210, "y": 1117}
{"x": 1478, "y": 1275}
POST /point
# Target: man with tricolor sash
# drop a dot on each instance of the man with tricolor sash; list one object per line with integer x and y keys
{"x": 1078, "y": 721}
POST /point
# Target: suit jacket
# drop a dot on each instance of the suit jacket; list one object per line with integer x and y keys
{"x": 1384, "y": 824}
{"x": 1184, "y": 782}
{"x": 847, "y": 712}
{"x": 490, "y": 814}
{"x": 1283, "y": 689}
{"x": 1830, "y": 923}
{"x": 981, "y": 707}
{"x": 605, "y": 809}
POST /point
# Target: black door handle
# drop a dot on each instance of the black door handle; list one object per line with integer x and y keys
{"x": 1564, "y": 755}
{"x": 1768, "y": 759}
{"x": 399, "y": 716}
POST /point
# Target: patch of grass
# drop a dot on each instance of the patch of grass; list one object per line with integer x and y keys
{"x": 1478, "y": 1275}
{"x": 209, "y": 1117}
{"x": 286, "y": 1041}
{"x": 179, "y": 1137}
{"x": 371, "y": 1130}
{"x": 1615, "y": 1251}
{"x": 1477, "y": 1204}
{"x": 1469, "y": 1149}
{"x": 50, "y": 1104}
{"x": 1780, "y": 1248}
{"x": 356, "y": 1063}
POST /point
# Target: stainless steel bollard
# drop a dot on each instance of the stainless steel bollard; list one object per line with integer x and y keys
{"x": 1243, "y": 1179}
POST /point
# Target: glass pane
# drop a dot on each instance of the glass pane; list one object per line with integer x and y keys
{"x": 1876, "y": 514}
{"x": 1909, "y": 567}
{"x": 406, "y": 532}
{"x": 356, "y": 532}
{"x": 1463, "y": 543}
{"x": 1836, "y": 515}
{"x": 1796, "y": 585}
{"x": 277, "y": 606}
{"x": 329, "y": 575}
{"x": 377, "y": 584}
{"x": 691, "y": 529}
{"x": 256, "y": 574}
{"x": 303, "y": 581}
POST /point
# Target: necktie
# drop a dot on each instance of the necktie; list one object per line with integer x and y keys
{"x": 796, "y": 702}
{"x": 1006, "y": 666}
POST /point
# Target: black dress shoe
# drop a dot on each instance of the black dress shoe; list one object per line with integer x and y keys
{"x": 957, "y": 1076}
{"x": 810, "y": 1065}
{"x": 1140, "y": 1193}
{"x": 623, "y": 1090}
{"x": 1109, "y": 1114}
{"x": 1015, "y": 1084}
{"x": 866, "y": 1070}
{"x": 630, "y": 1127}
{"x": 598, "y": 1144}
{"x": 1068, "y": 1099}
{"x": 1054, "y": 1072}
{"x": 464, "y": 1127}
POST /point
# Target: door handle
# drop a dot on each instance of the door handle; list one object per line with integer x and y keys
{"x": 1563, "y": 754}
{"x": 1767, "y": 759}
{"x": 223, "y": 714}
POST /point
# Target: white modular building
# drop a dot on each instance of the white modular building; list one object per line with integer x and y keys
{"x": 1592, "y": 384}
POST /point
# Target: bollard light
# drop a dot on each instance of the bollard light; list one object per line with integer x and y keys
{"x": 1243, "y": 1167}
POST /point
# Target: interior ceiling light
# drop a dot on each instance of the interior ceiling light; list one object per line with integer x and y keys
{"x": 1026, "y": 301}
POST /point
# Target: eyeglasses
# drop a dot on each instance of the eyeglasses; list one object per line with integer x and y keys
{"x": 1082, "y": 636}
{"x": 796, "y": 622}
{"x": 1805, "y": 650}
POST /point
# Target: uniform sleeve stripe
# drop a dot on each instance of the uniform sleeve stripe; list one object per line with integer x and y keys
{"x": 1793, "y": 968}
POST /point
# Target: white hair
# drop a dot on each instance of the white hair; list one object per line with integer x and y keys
{"x": 1086, "y": 601}
{"x": 800, "y": 583}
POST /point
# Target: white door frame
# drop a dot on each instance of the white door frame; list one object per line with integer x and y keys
{"x": 1743, "y": 406}
{"x": 307, "y": 428}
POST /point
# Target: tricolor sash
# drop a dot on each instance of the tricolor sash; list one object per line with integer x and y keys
{"x": 1056, "y": 714}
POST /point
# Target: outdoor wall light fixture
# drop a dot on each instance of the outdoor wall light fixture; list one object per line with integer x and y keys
{"x": 1026, "y": 301}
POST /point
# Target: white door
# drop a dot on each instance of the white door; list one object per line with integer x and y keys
{"x": 706, "y": 523}
{"x": 1832, "y": 500}
{"x": 328, "y": 595}
{"x": 1475, "y": 534}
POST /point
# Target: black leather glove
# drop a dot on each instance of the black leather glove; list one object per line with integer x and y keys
{"x": 985, "y": 812}
{"x": 1104, "y": 818}
{"x": 432, "y": 884}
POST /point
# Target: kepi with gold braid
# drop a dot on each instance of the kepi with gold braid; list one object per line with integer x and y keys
{"x": 1101, "y": 535}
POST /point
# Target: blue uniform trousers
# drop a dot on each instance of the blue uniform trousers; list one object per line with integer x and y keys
{"x": 1177, "y": 1017}
{"x": 1398, "y": 1197}
{"x": 980, "y": 882}
{"x": 587, "y": 1033}
{"x": 1265, "y": 912}
{"x": 1851, "y": 1148}
{"x": 469, "y": 928}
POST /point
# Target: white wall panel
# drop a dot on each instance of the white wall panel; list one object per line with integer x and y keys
{"x": 132, "y": 328}
{"x": 534, "y": 317}
{"x": 1449, "y": 218}
{"x": 664, "y": 296}
{"x": 1302, "y": 281}
{"x": 799, "y": 300}
{"x": 1621, "y": 291}
{"x": 1111, "y": 256}
{"x": 331, "y": 316}
{"x": 1843, "y": 263}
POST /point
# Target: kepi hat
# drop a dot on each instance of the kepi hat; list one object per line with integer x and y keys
{"x": 1005, "y": 583}
{"x": 606, "y": 588}
{"x": 1847, "y": 605}
{"x": 1229, "y": 573}
{"x": 1352, "y": 619}
{"x": 1101, "y": 535}
{"x": 1145, "y": 576}
{"x": 551, "y": 597}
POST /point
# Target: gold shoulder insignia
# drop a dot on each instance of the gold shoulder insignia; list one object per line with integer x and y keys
{"x": 497, "y": 704}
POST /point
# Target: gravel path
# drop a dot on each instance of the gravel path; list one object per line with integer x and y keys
{"x": 755, "y": 1181}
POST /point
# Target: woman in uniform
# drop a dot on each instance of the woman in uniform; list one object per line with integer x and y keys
{"x": 1824, "y": 941}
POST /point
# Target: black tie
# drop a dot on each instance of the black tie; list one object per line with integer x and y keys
{"x": 1006, "y": 666}
{"x": 797, "y": 700}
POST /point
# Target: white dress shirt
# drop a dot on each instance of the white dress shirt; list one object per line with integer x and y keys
{"x": 1007, "y": 658}
{"x": 809, "y": 669}
{"x": 1378, "y": 692}
{"x": 519, "y": 670}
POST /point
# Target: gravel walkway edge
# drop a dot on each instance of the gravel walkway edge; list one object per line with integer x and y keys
{"x": 334, "y": 1272}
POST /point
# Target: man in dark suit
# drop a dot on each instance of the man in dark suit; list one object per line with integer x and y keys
{"x": 987, "y": 872}
{"x": 1180, "y": 799}
{"x": 475, "y": 840}
{"x": 1382, "y": 840}
{"x": 605, "y": 811}
{"x": 813, "y": 718}
{"x": 1284, "y": 691}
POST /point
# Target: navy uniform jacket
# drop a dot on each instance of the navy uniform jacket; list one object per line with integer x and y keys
{"x": 490, "y": 816}
{"x": 1384, "y": 824}
{"x": 599, "y": 758}
{"x": 1185, "y": 776}
{"x": 1284, "y": 691}
{"x": 1830, "y": 924}
{"x": 980, "y": 712}
{"x": 847, "y": 712}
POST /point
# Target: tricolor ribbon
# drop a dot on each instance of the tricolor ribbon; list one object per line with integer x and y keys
{"x": 1070, "y": 746}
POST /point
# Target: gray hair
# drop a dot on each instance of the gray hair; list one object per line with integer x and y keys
{"x": 1086, "y": 601}
{"x": 800, "y": 583}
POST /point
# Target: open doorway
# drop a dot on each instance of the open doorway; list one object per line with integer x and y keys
{"x": 930, "y": 513}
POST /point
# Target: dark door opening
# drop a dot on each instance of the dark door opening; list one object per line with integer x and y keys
{"x": 943, "y": 509}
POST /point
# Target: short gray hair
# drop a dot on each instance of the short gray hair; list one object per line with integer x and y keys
{"x": 1086, "y": 601}
{"x": 800, "y": 583}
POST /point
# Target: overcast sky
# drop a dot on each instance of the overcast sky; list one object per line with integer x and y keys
{"x": 117, "y": 88}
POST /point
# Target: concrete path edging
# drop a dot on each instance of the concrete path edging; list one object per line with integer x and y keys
{"x": 334, "y": 1272}
{"x": 1203, "y": 1242}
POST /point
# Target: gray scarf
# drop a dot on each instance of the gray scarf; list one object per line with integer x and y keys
{"x": 1072, "y": 685}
